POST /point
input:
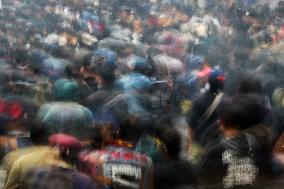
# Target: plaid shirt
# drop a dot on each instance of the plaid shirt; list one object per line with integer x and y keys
{"x": 57, "y": 177}
{"x": 118, "y": 167}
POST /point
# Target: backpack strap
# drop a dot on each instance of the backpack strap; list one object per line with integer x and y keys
{"x": 211, "y": 109}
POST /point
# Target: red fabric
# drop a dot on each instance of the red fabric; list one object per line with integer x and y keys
{"x": 64, "y": 142}
{"x": 14, "y": 110}
{"x": 204, "y": 72}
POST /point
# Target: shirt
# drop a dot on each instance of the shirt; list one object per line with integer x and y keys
{"x": 40, "y": 156}
{"x": 118, "y": 166}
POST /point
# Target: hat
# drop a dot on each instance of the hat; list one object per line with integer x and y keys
{"x": 216, "y": 78}
{"x": 109, "y": 55}
{"x": 66, "y": 90}
{"x": 66, "y": 117}
{"x": 64, "y": 142}
{"x": 195, "y": 62}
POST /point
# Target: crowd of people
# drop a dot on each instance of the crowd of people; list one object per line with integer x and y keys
{"x": 142, "y": 94}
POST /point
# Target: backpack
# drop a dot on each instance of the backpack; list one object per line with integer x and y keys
{"x": 117, "y": 168}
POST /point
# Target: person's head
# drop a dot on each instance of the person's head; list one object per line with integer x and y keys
{"x": 66, "y": 90}
{"x": 38, "y": 133}
{"x": 67, "y": 145}
{"x": 106, "y": 130}
{"x": 250, "y": 84}
{"x": 216, "y": 80}
{"x": 4, "y": 122}
{"x": 163, "y": 123}
{"x": 230, "y": 117}
{"x": 130, "y": 129}
{"x": 72, "y": 71}
{"x": 172, "y": 141}
{"x": 20, "y": 56}
{"x": 104, "y": 73}
{"x": 21, "y": 111}
{"x": 253, "y": 108}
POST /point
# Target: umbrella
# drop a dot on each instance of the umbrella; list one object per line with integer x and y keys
{"x": 66, "y": 117}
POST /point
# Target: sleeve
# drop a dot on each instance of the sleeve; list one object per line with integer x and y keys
{"x": 13, "y": 179}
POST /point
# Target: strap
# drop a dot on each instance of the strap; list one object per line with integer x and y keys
{"x": 211, "y": 108}
{"x": 252, "y": 143}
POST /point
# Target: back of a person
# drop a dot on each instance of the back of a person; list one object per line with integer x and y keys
{"x": 41, "y": 156}
{"x": 230, "y": 163}
{"x": 13, "y": 156}
{"x": 56, "y": 177}
{"x": 118, "y": 167}
{"x": 175, "y": 175}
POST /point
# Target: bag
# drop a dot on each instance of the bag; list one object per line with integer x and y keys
{"x": 118, "y": 167}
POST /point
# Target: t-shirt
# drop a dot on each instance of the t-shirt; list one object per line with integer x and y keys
{"x": 231, "y": 163}
{"x": 40, "y": 156}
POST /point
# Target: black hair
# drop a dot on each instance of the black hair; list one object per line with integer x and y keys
{"x": 4, "y": 120}
{"x": 72, "y": 70}
{"x": 252, "y": 107}
{"x": 250, "y": 84}
{"x": 38, "y": 133}
{"x": 105, "y": 71}
{"x": 20, "y": 56}
{"x": 87, "y": 60}
{"x": 162, "y": 124}
{"x": 231, "y": 115}
{"x": 172, "y": 140}
{"x": 130, "y": 129}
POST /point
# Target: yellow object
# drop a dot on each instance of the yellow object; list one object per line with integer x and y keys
{"x": 185, "y": 106}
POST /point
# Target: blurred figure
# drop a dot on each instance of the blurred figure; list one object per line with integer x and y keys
{"x": 230, "y": 161}
{"x": 206, "y": 106}
{"x": 60, "y": 175}
{"x": 116, "y": 165}
{"x": 39, "y": 155}
{"x": 175, "y": 172}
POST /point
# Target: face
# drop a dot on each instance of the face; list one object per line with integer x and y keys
{"x": 107, "y": 133}
{"x": 137, "y": 25}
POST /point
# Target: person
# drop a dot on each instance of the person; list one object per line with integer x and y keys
{"x": 232, "y": 160}
{"x": 201, "y": 117}
{"x": 38, "y": 155}
{"x": 21, "y": 112}
{"x": 116, "y": 165}
{"x": 4, "y": 144}
{"x": 174, "y": 172}
{"x": 58, "y": 175}
{"x": 105, "y": 76}
{"x": 37, "y": 136}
